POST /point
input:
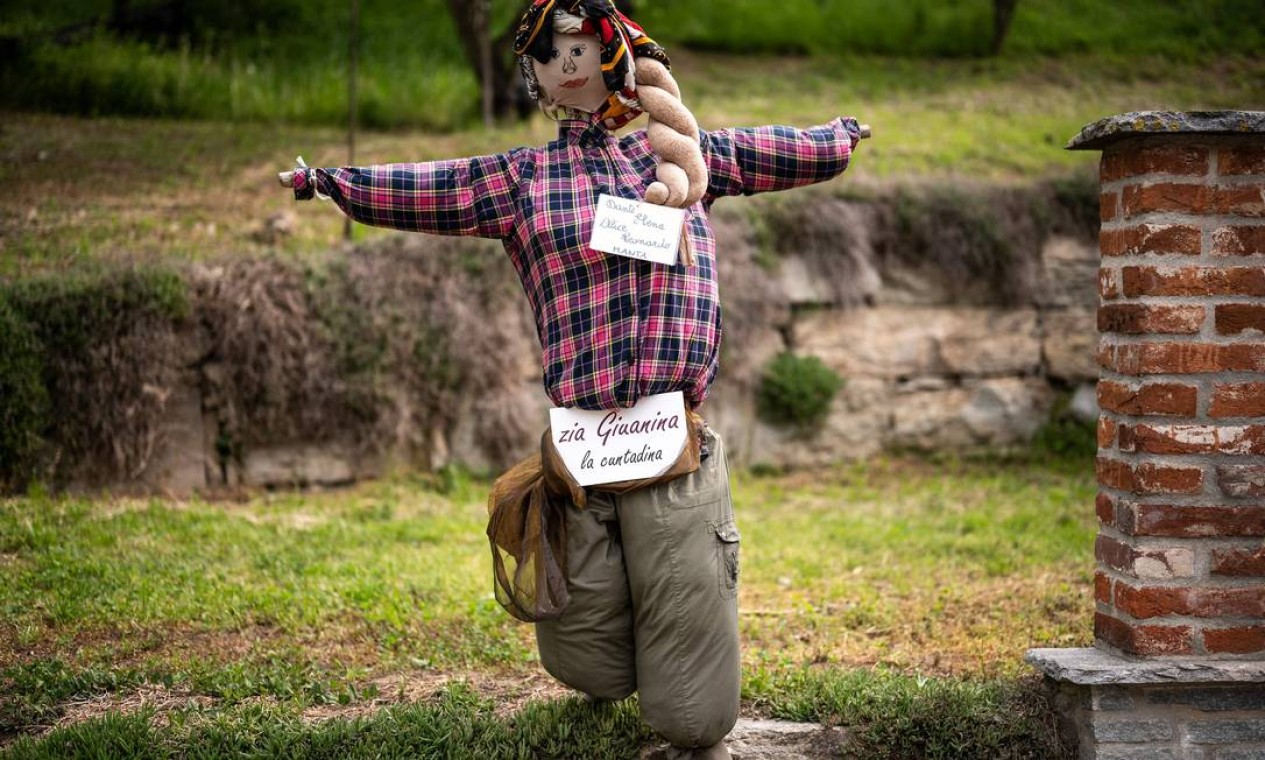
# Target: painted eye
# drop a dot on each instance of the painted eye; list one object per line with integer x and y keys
{"x": 577, "y": 51}
{"x": 553, "y": 55}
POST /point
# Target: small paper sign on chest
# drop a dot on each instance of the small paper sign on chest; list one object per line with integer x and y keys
{"x": 637, "y": 230}
{"x": 624, "y": 444}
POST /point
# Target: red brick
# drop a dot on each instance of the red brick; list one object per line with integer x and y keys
{"x": 1108, "y": 283}
{"x": 1113, "y": 553}
{"x": 1247, "y": 640}
{"x": 1238, "y": 400}
{"x": 1105, "y": 507}
{"x": 1143, "y": 639}
{"x": 1108, "y": 206}
{"x": 1241, "y": 562}
{"x": 1112, "y": 473}
{"x": 1148, "y": 477}
{"x": 1182, "y": 358}
{"x": 1193, "y": 281}
{"x": 1148, "y": 398}
{"x": 1138, "y": 319}
{"x": 1149, "y": 198}
{"x": 1239, "y": 200}
{"x": 1146, "y": 239}
{"x": 1242, "y": 481}
{"x": 1106, "y": 432}
{"x": 1194, "y": 439}
{"x": 1243, "y": 160}
{"x": 1124, "y": 439}
{"x": 1236, "y": 318}
{"x": 1236, "y": 241}
{"x": 1157, "y": 478}
{"x": 1191, "y": 601}
{"x": 1102, "y": 587}
{"x": 1156, "y": 159}
{"x": 1175, "y": 521}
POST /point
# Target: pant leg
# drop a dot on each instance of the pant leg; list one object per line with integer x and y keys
{"x": 681, "y": 551}
{"x": 590, "y": 648}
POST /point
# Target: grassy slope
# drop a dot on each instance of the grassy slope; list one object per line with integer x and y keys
{"x": 338, "y": 604}
{"x": 126, "y": 189}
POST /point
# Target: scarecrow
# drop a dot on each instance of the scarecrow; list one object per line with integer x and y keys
{"x": 633, "y": 584}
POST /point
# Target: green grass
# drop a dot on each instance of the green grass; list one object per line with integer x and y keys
{"x": 873, "y": 597}
{"x": 458, "y": 723}
{"x": 286, "y": 61}
{"x": 920, "y": 28}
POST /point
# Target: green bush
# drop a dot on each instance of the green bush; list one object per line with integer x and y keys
{"x": 72, "y": 311}
{"x": 796, "y": 391}
{"x": 23, "y": 397}
{"x": 90, "y": 355}
{"x": 1064, "y": 436}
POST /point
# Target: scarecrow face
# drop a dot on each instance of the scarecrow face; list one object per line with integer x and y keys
{"x": 572, "y": 76}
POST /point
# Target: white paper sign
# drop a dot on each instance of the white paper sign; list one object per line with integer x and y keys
{"x": 637, "y": 229}
{"x": 624, "y": 444}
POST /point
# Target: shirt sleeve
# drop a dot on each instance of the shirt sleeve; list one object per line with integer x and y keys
{"x": 762, "y": 159}
{"x": 465, "y": 196}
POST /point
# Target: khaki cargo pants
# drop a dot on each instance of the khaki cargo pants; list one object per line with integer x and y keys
{"x": 653, "y": 577}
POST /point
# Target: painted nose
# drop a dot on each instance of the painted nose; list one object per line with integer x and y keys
{"x": 569, "y": 67}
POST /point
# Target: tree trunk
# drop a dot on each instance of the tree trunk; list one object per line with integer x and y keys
{"x": 491, "y": 59}
{"x": 1003, "y": 14}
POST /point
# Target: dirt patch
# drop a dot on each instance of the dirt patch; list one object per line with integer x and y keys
{"x": 158, "y": 698}
{"x": 510, "y": 693}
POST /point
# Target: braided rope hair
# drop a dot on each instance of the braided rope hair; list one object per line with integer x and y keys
{"x": 637, "y": 75}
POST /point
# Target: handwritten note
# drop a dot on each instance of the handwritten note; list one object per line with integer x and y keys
{"x": 624, "y": 444}
{"x": 637, "y": 229}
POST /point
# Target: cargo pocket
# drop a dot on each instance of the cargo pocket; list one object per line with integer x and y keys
{"x": 727, "y": 540}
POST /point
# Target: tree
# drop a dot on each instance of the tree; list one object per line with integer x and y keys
{"x": 1003, "y": 14}
{"x": 492, "y": 59}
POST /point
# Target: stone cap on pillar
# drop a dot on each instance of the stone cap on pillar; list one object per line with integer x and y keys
{"x": 1107, "y": 131}
{"x": 1094, "y": 667}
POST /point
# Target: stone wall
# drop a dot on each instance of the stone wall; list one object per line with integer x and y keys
{"x": 934, "y": 354}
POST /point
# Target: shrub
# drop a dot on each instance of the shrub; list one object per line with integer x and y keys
{"x": 106, "y": 346}
{"x": 1064, "y": 436}
{"x": 796, "y": 391}
{"x": 23, "y": 397}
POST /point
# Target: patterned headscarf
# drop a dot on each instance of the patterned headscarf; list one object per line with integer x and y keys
{"x": 623, "y": 41}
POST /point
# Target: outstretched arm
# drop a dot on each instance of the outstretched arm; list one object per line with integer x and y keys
{"x": 465, "y": 196}
{"x": 753, "y": 160}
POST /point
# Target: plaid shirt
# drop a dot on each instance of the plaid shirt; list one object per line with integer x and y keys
{"x": 613, "y": 329}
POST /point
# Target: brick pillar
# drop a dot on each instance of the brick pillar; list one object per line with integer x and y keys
{"x": 1181, "y": 465}
{"x": 1180, "y": 581}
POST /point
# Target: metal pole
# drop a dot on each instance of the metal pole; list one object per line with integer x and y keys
{"x": 353, "y": 61}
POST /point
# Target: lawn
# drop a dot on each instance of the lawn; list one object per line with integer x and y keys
{"x": 895, "y": 597}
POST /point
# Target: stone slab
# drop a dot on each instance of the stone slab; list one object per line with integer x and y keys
{"x": 298, "y": 465}
{"x": 1094, "y": 667}
{"x": 1104, "y": 132}
{"x": 774, "y": 740}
